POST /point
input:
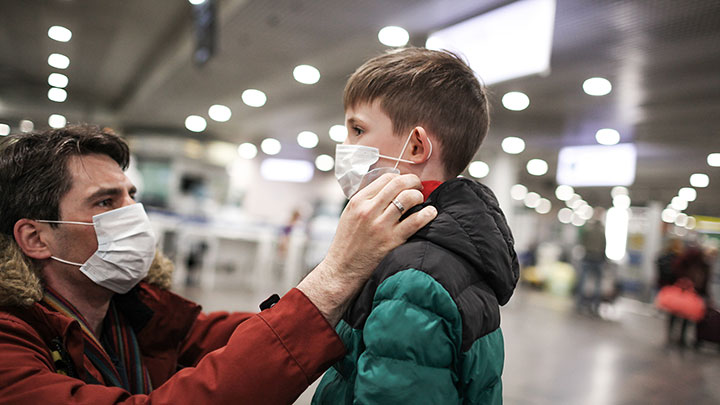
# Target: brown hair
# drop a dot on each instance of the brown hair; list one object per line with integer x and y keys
{"x": 33, "y": 169}
{"x": 434, "y": 89}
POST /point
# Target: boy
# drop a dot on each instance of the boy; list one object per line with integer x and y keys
{"x": 425, "y": 327}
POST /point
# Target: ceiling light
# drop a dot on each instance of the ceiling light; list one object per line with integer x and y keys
{"x": 57, "y": 95}
{"x": 338, "y": 133}
{"x": 668, "y": 215}
{"x": 618, "y": 190}
{"x": 713, "y": 159}
{"x": 324, "y": 163}
{"x": 577, "y": 220}
{"x": 621, "y": 201}
{"x": 678, "y": 204}
{"x": 58, "y": 61}
{"x": 518, "y": 192}
{"x": 57, "y": 121}
{"x": 537, "y": 167}
{"x": 58, "y": 80}
{"x": 59, "y": 33}
{"x": 577, "y": 204}
{"x": 247, "y": 150}
{"x": 597, "y": 86}
{"x": 586, "y": 212}
{"x": 699, "y": 180}
{"x": 513, "y": 145}
{"x": 270, "y": 146}
{"x": 196, "y": 2}
{"x": 564, "y": 192}
{"x": 575, "y": 198}
{"x": 687, "y": 193}
{"x": 607, "y": 136}
{"x": 478, "y": 169}
{"x": 515, "y": 101}
{"x": 26, "y": 126}
{"x": 307, "y": 139}
{"x": 220, "y": 113}
{"x": 195, "y": 123}
{"x": 544, "y": 206}
{"x": 4, "y": 129}
{"x": 306, "y": 74}
{"x": 532, "y": 199}
{"x": 393, "y": 36}
{"x": 565, "y": 215}
{"x": 254, "y": 98}
{"x": 691, "y": 223}
{"x": 681, "y": 219}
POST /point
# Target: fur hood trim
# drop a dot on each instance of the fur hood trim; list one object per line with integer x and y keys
{"x": 21, "y": 280}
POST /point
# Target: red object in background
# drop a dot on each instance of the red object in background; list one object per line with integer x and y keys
{"x": 681, "y": 299}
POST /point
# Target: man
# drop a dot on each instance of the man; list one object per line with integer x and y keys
{"x": 77, "y": 325}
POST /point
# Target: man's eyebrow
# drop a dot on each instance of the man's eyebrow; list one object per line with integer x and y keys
{"x": 105, "y": 192}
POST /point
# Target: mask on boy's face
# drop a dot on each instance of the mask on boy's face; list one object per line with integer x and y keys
{"x": 353, "y": 162}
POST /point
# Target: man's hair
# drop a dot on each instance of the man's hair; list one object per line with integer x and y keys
{"x": 434, "y": 89}
{"x": 33, "y": 169}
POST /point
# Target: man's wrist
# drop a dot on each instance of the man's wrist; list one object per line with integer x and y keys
{"x": 329, "y": 289}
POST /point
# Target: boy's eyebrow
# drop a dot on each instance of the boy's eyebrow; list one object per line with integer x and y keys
{"x": 354, "y": 121}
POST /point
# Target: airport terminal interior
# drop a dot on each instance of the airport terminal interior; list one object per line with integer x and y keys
{"x": 604, "y": 120}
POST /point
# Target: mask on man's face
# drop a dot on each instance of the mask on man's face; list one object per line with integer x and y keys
{"x": 126, "y": 248}
{"x": 353, "y": 165}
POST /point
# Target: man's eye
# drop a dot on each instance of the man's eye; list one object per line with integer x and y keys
{"x": 105, "y": 203}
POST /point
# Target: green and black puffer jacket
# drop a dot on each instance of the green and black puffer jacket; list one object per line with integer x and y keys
{"x": 425, "y": 329}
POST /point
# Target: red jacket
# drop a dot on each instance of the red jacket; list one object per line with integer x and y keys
{"x": 265, "y": 358}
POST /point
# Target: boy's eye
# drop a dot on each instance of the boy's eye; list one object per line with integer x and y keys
{"x": 357, "y": 130}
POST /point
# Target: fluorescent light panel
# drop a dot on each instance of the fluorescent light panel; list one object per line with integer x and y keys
{"x": 503, "y": 44}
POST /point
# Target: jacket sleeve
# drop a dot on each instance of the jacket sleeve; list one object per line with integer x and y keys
{"x": 270, "y": 358}
{"x": 412, "y": 338}
{"x": 209, "y": 332}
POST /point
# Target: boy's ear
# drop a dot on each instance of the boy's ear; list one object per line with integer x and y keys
{"x": 29, "y": 238}
{"x": 420, "y": 145}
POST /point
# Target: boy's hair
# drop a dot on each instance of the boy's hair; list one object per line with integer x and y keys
{"x": 34, "y": 174}
{"x": 434, "y": 89}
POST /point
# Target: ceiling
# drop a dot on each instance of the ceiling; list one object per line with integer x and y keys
{"x": 131, "y": 68}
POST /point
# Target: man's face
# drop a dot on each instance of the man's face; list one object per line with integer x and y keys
{"x": 369, "y": 125}
{"x": 98, "y": 185}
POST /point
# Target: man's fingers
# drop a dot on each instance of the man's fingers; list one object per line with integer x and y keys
{"x": 414, "y": 222}
{"x": 372, "y": 189}
{"x": 405, "y": 200}
{"x": 395, "y": 187}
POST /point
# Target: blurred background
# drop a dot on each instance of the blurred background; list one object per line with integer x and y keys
{"x": 604, "y": 152}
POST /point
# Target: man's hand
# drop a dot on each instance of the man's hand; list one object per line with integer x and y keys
{"x": 369, "y": 229}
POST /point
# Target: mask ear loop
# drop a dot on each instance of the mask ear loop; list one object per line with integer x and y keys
{"x": 397, "y": 162}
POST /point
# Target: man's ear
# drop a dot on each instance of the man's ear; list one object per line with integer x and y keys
{"x": 29, "y": 238}
{"x": 420, "y": 146}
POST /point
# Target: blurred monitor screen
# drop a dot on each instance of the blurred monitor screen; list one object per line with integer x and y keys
{"x": 290, "y": 170}
{"x": 597, "y": 165}
{"x": 505, "y": 43}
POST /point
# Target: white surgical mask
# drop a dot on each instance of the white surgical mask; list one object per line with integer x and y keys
{"x": 126, "y": 248}
{"x": 353, "y": 162}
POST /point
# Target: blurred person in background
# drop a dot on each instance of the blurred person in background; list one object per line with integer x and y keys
{"x": 592, "y": 239}
{"x": 690, "y": 266}
{"x": 85, "y": 311}
{"x": 425, "y": 328}
{"x": 665, "y": 271}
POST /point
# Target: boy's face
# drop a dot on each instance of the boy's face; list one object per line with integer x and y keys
{"x": 369, "y": 125}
